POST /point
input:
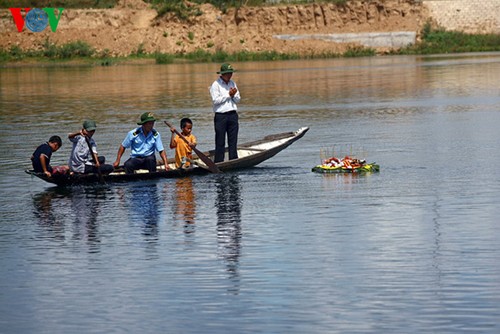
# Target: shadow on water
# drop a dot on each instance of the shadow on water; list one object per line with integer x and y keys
{"x": 75, "y": 209}
{"x": 228, "y": 205}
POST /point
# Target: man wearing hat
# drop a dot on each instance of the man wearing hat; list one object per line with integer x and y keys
{"x": 143, "y": 142}
{"x": 84, "y": 158}
{"x": 225, "y": 95}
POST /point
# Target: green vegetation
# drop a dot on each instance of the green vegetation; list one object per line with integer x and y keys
{"x": 178, "y": 7}
{"x": 203, "y": 56}
{"x": 359, "y": 51}
{"x": 164, "y": 58}
{"x": 139, "y": 52}
{"x": 77, "y": 49}
{"x": 442, "y": 41}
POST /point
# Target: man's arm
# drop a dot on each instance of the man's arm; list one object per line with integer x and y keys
{"x": 43, "y": 162}
{"x": 74, "y": 134}
{"x": 163, "y": 156}
{"x": 121, "y": 150}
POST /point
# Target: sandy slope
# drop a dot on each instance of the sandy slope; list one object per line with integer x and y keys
{"x": 132, "y": 25}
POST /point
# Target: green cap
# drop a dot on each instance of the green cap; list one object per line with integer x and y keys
{"x": 147, "y": 117}
{"x": 89, "y": 125}
{"x": 226, "y": 68}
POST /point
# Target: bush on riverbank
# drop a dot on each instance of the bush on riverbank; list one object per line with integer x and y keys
{"x": 77, "y": 49}
{"x": 442, "y": 41}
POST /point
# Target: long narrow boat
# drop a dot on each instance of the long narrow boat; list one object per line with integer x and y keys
{"x": 249, "y": 155}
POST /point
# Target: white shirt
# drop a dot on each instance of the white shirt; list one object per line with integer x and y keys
{"x": 222, "y": 101}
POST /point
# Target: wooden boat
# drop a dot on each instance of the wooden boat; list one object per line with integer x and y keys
{"x": 249, "y": 155}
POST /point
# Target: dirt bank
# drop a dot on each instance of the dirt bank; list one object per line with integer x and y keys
{"x": 133, "y": 25}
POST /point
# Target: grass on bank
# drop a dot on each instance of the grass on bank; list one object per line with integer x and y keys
{"x": 434, "y": 41}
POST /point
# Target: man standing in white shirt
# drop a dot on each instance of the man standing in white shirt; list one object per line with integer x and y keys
{"x": 225, "y": 95}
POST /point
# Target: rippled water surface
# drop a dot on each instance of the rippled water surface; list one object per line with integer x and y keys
{"x": 272, "y": 249}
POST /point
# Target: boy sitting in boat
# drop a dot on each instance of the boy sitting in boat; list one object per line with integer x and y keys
{"x": 183, "y": 150}
{"x": 41, "y": 157}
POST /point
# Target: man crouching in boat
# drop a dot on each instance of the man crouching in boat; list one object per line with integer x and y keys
{"x": 41, "y": 157}
{"x": 143, "y": 142}
{"x": 84, "y": 158}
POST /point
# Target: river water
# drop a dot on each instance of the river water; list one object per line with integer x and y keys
{"x": 272, "y": 249}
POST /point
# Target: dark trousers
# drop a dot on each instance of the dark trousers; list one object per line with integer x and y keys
{"x": 133, "y": 164}
{"x": 226, "y": 123}
{"x": 104, "y": 168}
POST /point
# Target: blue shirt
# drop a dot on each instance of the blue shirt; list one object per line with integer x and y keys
{"x": 141, "y": 145}
{"x": 43, "y": 149}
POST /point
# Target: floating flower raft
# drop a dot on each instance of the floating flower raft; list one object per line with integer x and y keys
{"x": 345, "y": 165}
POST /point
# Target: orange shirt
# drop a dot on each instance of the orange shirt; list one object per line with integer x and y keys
{"x": 182, "y": 149}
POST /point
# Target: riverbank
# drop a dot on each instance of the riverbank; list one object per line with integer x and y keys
{"x": 134, "y": 32}
{"x": 133, "y": 26}
{"x": 433, "y": 41}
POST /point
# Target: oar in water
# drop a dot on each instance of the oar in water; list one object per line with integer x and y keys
{"x": 94, "y": 157}
{"x": 212, "y": 167}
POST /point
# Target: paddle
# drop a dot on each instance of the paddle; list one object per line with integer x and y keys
{"x": 94, "y": 157}
{"x": 210, "y": 164}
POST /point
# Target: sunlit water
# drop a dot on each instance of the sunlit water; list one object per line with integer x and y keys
{"x": 273, "y": 249}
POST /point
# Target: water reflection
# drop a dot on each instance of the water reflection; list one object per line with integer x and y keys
{"x": 142, "y": 201}
{"x": 46, "y": 214}
{"x": 342, "y": 183}
{"x": 86, "y": 206}
{"x": 185, "y": 203}
{"x": 54, "y": 206}
{"x": 228, "y": 205}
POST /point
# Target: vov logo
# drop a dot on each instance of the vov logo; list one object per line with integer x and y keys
{"x": 36, "y": 19}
